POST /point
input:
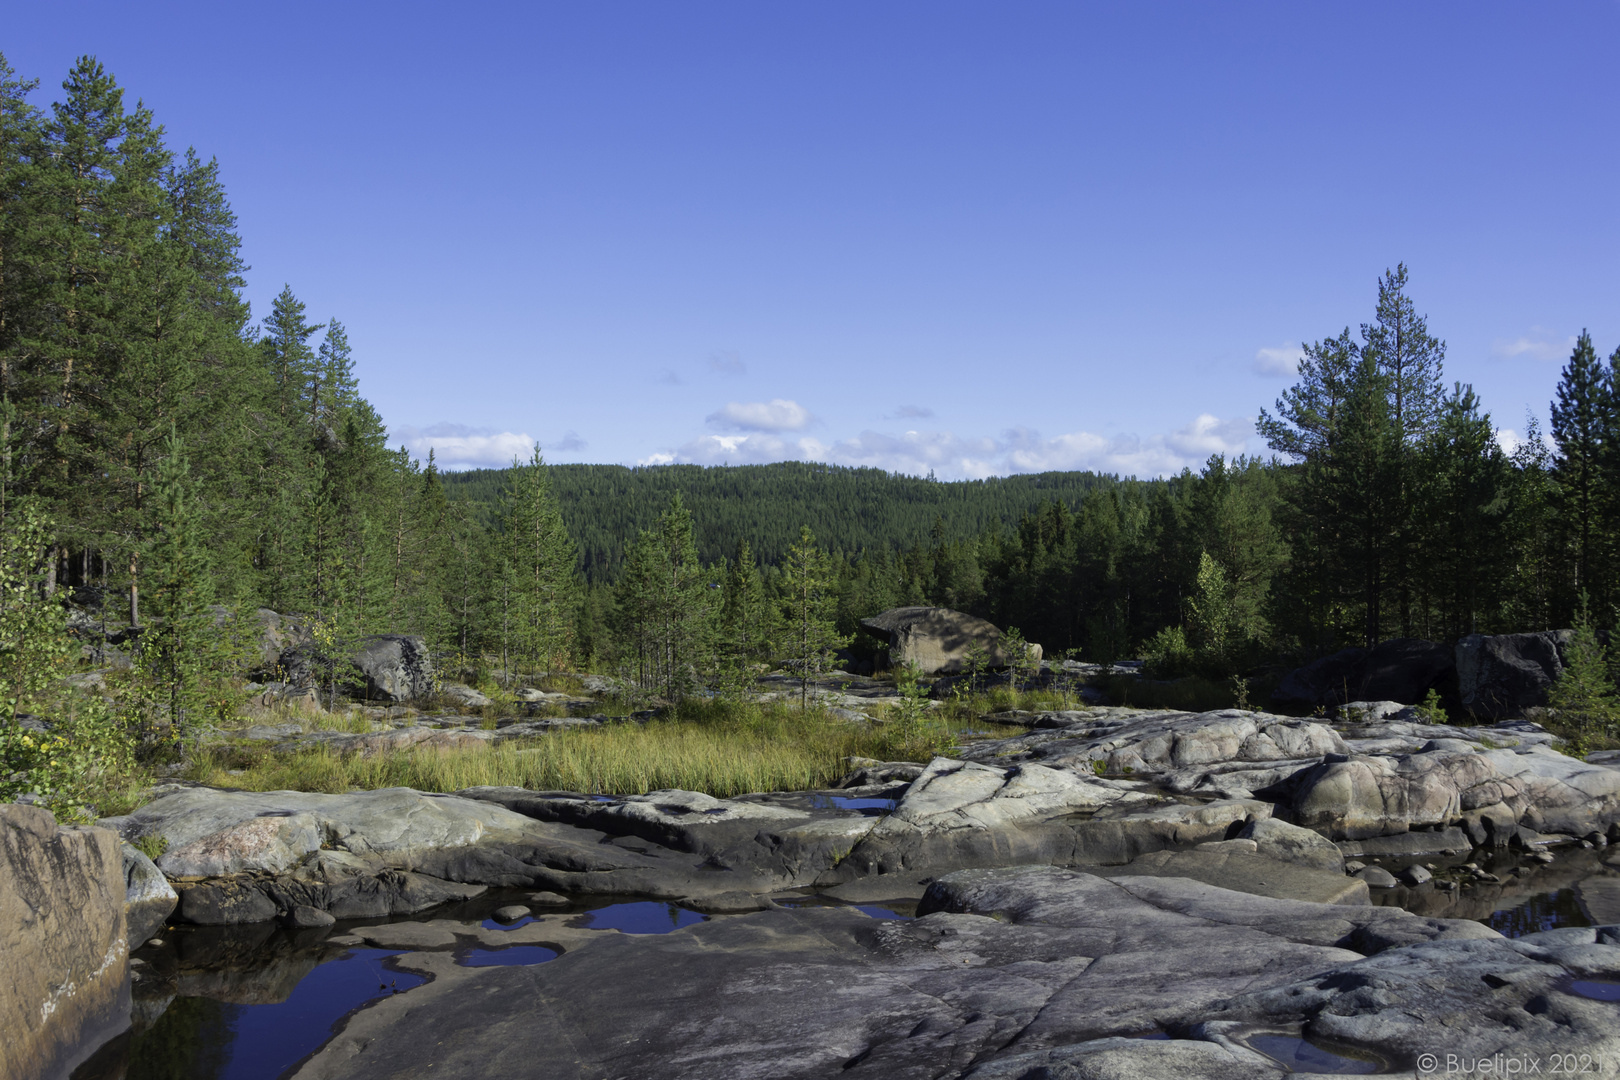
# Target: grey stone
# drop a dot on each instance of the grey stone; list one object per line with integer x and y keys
{"x": 511, "y": 913}
{"x": 464, "y": 696}
{"x": 939, "y": 641}
{"x": 1290, "y": 843}
{"x": 149, "y": 899}
{"x": 63, "y": 945}
{"x": 304, "y": 917}
{"x": 549, "y": 899}
{"x": 1415, "y": 875}
{"x": 1001, "y": 967}
{"x": 1377, "y": 877}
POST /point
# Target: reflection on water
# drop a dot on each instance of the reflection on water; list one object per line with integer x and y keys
{"x": 641, "y": 917}
{"x": 512, "y": 956}
{"x": 1543, "y": 911}
{"x": 1297, "y": 1055}
{"x": 867, "y": 805}
{"x": 1597, "y": 989}
{"x": 205, "y": 1039}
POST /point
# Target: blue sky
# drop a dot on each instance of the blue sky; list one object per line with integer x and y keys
{"x": 977, "y": 238}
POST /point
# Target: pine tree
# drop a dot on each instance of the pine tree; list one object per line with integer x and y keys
{"x": 744, "y": 615}
{"x": 1584, "y": 422}
{"x": 542, "y": 559}
{"x": 177, "y": 652}
{"x": 809, "y": 610}
{"x": 664, "y": 604}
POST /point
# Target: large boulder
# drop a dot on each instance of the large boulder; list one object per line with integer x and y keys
{"x": 939, "y": 641}
{"x": 1501, "y": 675}
{"x": 1401, "y": 669}
{"x": 63, "y": 950}
{"x": 385, "y": 667}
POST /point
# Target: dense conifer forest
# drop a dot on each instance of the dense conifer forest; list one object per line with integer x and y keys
{"x": 174, "y": 461}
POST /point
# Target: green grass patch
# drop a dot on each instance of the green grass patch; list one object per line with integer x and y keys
{"x": 716, "y": 747}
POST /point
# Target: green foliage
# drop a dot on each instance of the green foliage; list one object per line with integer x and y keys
{"x": 539, "y": 558}
{"x": 1583, "y": 697}
{"x": 664, "y": 605}
{"x": 808, "y": 605}
{"x": 1430, "y": 711}
{"x": 152, "y": 845}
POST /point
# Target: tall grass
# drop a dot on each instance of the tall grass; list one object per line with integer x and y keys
{"x": 713, "y": 747}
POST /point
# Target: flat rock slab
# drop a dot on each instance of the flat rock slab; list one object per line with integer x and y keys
{"x": 1600, "y": 896}
{"x": 1016, "y": 973}
{"x": 1248, "y": 873}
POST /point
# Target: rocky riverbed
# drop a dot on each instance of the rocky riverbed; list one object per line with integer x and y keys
{"x": 1114, "y": 892}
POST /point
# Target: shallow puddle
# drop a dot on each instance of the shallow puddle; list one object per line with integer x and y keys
{"x": 199, "y": 1037}
{"x": 1596, "y": 989}
{"x": 640, "y": 917}
{"x": 511, "y": 956}
{"x": 869, "y": 805}
{"x": 1297, "y": 1055}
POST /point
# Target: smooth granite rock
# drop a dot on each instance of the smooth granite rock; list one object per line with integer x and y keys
{"x": 1024, "y": 973}
{"x": 63, "y": 946}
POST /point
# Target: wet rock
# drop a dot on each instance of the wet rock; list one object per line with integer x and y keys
{"x": 548, "y": 899}
{"x": 1448, "y": 841}
{"x": 149, "y": 899}
{"x": 305, "y": 917}
{"x": 1415, "y": 875}
{"x": 1377, "y": 877}
{"x": 63, "y": 944}
{"x": 511, "y": 913}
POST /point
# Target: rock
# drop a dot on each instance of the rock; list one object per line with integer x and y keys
{"x": 1226, "y": 866}
{"x": 305, "y": 917}
{"x": 1600, "y": 896}
{"x": 149, "y": 899}
{"x": 1290, "y": 843}
{"x": 1365, "y": 796}
{"x": 1353, "y": 867}
{"x": 277, "y": 635}
{"x": 395, "y": 667}
{"x": 511, "y": 913}
{"x": 939, "y": 641}
{"x": 1415, "y": 875}
{"x": 549, "y": 899}
{"x": 1012, "y": 974}
{"x": 728, "y": 903}
{"x": 1448, "y": 841}
{"x": 464, "y": 697}
{"x": 1501, "y": 675}
{"x": 1377, "y": 877}
{"x": 63, "y": 945}
{"x": 1402, "y": 670}
{"x": 386, "y": 667}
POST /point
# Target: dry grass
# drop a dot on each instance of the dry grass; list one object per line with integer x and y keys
{"x": 717, "y": 748}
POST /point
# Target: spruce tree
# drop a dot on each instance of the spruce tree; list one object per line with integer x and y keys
{"x": 664, "y": 604}
{"x": 542, "y": 562}
{"x": 1584, "y": 422}
{"x": 809, "y": 610}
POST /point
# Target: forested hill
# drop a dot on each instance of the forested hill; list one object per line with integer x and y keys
{"x": 849, "y": 509}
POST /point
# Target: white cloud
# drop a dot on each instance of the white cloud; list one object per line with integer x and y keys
{"x": 778, "y": 414}
{"x": 1539, "y": 344}
{"x": 456, "y": 446}
{"x": 1283, "y": 360}
{"x": 949, "y": 455}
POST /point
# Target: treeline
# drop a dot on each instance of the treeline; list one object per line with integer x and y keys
{"x": 850, "y": 509}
